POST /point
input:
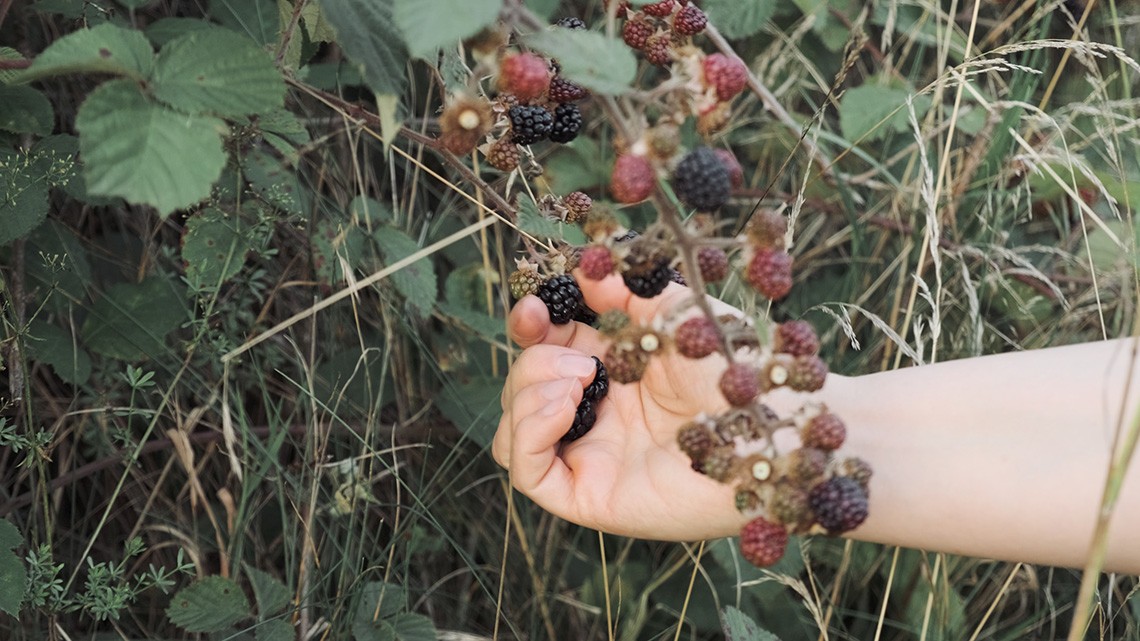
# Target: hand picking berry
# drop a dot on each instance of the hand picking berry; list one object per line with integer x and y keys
{"x": 586, "y": 413}
{"x": 562, "y": 296}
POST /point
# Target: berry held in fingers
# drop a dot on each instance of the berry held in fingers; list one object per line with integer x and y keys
{"x": 562, "y": 296}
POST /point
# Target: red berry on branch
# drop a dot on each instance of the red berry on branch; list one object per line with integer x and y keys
{"x": 770, "y": 273}
{"x": 659, "y": 9}
{"x": 740, "y": 384}
{"x": 796, "y": 337}
{"x": 727, "y": 75}
{"x": 636, "y": 33}
{"x": 697, "y": 337}
{"x": 713, "y": 263}
{"x": 735, "y": 171}
{"x": 762, "y": 542}
{"x": 524, "y": 74}
{"x": 632, "y": 179}
{"x": 690, "y": 21}
{"x": 807, "y": 373}
{"x": 825, "y": 431}
{"x": 596, "y": 262}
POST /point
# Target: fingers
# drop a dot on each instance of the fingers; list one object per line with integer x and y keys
{"x": 611, "y": 293}
{"x": 532, "y": 425}
{"x": 529, "y": 324}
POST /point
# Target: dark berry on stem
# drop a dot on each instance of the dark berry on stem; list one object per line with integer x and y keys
{"x": 584, "y": 418}
{"x": 647, "y": 281}
{"x": 701, "y": 180}
{"x": 636, "y": 33}
{"x": 530, "y": 123}
{"x": 563, "y": 90}
{"x": 762, "y": 542}
{"x": 567, "y": 123}
{"x": 570, "y": 22}
{"x": 839, "y": 504}
{"x": 562, "y": 296}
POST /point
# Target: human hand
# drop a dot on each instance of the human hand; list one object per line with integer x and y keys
{"x": 627, "y": 475}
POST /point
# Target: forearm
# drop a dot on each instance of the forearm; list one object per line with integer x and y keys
{"x": 1001, "y": 457}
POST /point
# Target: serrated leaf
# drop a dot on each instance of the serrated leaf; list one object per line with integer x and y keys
{"x": 254, "y": 18}
{"x": 210, "y": 605}
{"x": 871, "y": 112}
{"x": 737, "y": 19}
{"x": 8, "y": 53}
{"x": 131, "y": 320}
{"x": 367, "y": 34}
{"x": 533, "y": 222}
{"x": 379, "y": 600}
{"x": 217, "y": 71}
{"x": 105, "y": 48}
{"x": 10, "y": 537}
{"x": 364, "y": 209}
{"x": 275, "y": 182}
{"x": 428, "y": 25}
{"x": 23, "y": 195}
{"x": 24, "y": 110}
{"x": 61, "y": 350}
{"x": 739, "y": 627}
{"x": 336, "y": 247}
{"x": 146, "y": 153}
{"x": 13, "y": 582}
{"x": 214, "y": 247}
{"x": 164, "y": 30}
{"x": 275, "y": 630}
{"x": 415, "y": 282}
{"x": 602, "y": 65}
{"x": 271, "y": 594}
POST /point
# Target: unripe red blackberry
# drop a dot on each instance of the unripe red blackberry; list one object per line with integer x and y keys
{"x": 659, "y": 49}
{"x": 659, "y": 9}
{"x": 790, "y": 505}
{"x": 578, "y": 206}
{"x": 503, "y": 154}
{"x": 632, "y": 179}
{"x": 636, "y": 33}
{"x": 463, "y": 124}
{"x": 720, "y": 463}
{"x": 727, "y": 75}
{"x": 735, "y": 171}
{"x": 807, "y": 373}
{"x": 596, "y": 262}
{"x": 713, "y": 263}
{"x": 803, "y": 465}
{"x": 690, "y": 21}
{"x": 762, "y": 543}
{"x": 740, "y": 384}
{"x": 697, "y": 337}
{"x": 626, "y": 361}
{"x": 701, "y": 180}
{"x": 524, "y": 281}
{"x": 767, "y": 229}
{"x": 524, "y": 74}
{"x": 695, "y": 440}
{"x": 770, "y": 273}
{"x": 824, "y": 431}
{"x": 795, "y": 337}
{"x": 563, "y": 90}
{"x": 839, "y": 504}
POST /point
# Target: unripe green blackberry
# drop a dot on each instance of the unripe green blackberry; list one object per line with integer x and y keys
{"x": 524, "y": 281}
{"x": 839, "y": 504}
{"x": 825, "y": 431}
{"x": 746, "y": 499}
{"x": 762, "y": 543}
{"x": 720, "y": 463}
{"x": 860, "y": 470}
{"x": 701, "y": 180}
{"x": 612, "y": 322}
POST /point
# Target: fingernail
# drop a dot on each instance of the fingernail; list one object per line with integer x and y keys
{"x": 558, "y": 389}
{"x": 575, "y": 365}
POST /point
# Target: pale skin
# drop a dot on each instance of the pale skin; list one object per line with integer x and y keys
{"x": 1001, "y": 457}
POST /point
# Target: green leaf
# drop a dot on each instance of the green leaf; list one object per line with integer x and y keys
{"x": 336, "y": 246}
{"x": 428, "y": 25}
{"x": 217, "y": 71}
{"x": 24, "y": 110}
{"x": 210, "y": 605}
{"x": 533, "y": 222}
{"x": 365, "y": 209}
{"x": 739, "y": 627}
{"x": 380, "y": 600}
{"x": 275, "y": 630}
{"x": 473, "y": 407}
{"x": 602, "y": 65}
{"x": 105, "y": 48}
{"x": 739, "y": 19}
{"x": 59, "y": 349}
{"x": 132, "y": 320}
{"x": 137, "y": 149}
{"x": 214, "y": 247}
{"x": 13, "y": 578}
{"x": 874, "y": 112}
{"x": 271, "y": 594}
{"x": 9, "y": 75}
{"x": 23, "y": 195}
{"x": 275, "y": 182}
{"x": 164, "y": 30}
{"x": 367, "y": 34}
{"x": 254, "y": 18}
{"x": 415, "y": 282}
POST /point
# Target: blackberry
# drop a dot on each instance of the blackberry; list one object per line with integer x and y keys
{"x": 839, "y": 504}
{"x": 795, "y": 337}
{"x": 740, "y": 384}
{"x": 804, "y": 464}
{"x": 697, "y": 337}
{"x": 567, "y": 123}
{"x": 762, "y": 543}
{"x": 695, "y": 441}
{"x": 563, "y": 90}
{"x": 578, "y": 205}
{"x": 584, "y": 418}
{"x": 585, "y": 315}
{"x": 677, "y": 277}
{"x": 770, "y": 272}
{"x": 659, "y": 50}
{"x": 562, "y": 296}
{"x": 825, "y": 432}
{"x": 659, "y": 9}
{"x": 570, "y": 22}
{"x": 523, "y": 282}
{"x": 626, "y": 362}
{"x": 713, "y": 263}
{"x": 530, "y": 123}
{"x": 690, "y": 21}
{"x": 648, "y": 280}
{"x": 600, "y": 386}
{"x": 701, "y": 180}
{"x": 636, "y": 33}
{"x": 503, "y": 154}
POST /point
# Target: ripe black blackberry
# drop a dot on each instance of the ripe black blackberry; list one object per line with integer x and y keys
{"x": 600, "y": 386}
{"x": 839, "y": 504}
{"x": 567, "y": 123}
{"x": 585, "y": 315}
{"x": 584, "y": 418}
{"x": 530, "y": 123}
{"x": 701, "y": 180}
{"x": 563, "y": 90}
{"x": 650, "y": 279}
{"x": 570, "y": 22}
{"x": 562, "y": 296}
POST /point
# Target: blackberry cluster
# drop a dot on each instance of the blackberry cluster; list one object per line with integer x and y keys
{"x": 701, "y": 180}
{"x": 530, "y": 123}
{"x": 563, "y": 298}
{"x": 567, "y": 123}
{"x": 839, "y": 504}
{"x": 586, "y": 413}
{"x": 647, "y": 281}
